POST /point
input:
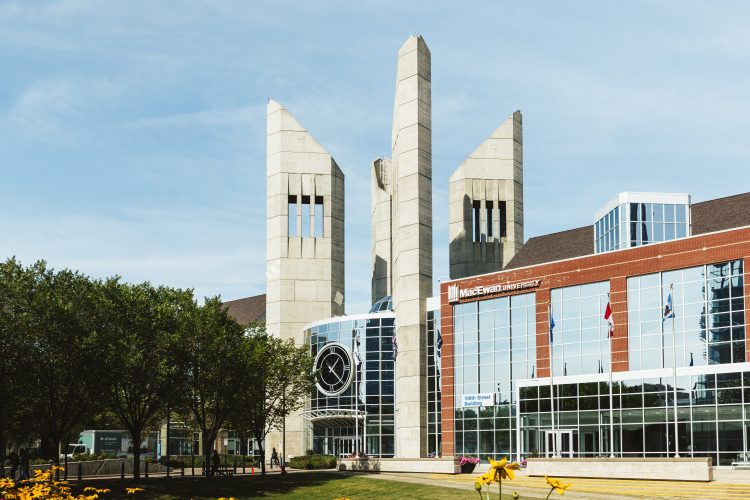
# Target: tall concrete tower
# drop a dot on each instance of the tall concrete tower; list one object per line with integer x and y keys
{"x": 412, "y": 240}
{"x": 382, "y": 228}
{"x": 486, "y": 203}
{"x": 304, "y": 238}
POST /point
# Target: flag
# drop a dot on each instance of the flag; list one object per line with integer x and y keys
{"x": 357, "y": 358}
{"x": 551, "y": 324}
{"x": 395, "y": 347}
{"x": 610, "y": 320}
{"x": 668, "y": 309}
{"x": 438, "y": 349}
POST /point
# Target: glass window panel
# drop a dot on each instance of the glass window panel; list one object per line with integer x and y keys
{"x": 669, "y": 232}
{"x": 680, "y": 230}
{"x": 681, "y": 211}
{"x": 669, "y": 213}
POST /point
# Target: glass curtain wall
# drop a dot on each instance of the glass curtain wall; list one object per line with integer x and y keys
{"x": 636, "y": 224}
{"x": 709, "y": 322}
{"x": 375, "y": 384}
{"x": 713, "y": 416}
{"x": 434, "y": 402}
{"x": 581, "y": 334}
{"x": 494, "y": 346}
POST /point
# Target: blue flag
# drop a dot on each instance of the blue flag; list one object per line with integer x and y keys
{"x": 668, "y": 309}
{"x": 551, "y": 324}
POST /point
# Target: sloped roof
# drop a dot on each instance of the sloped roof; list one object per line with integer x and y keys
{"x": 556, "y": 246}
{"x": 706, "y": 217}
{"x": 248, "y": 310}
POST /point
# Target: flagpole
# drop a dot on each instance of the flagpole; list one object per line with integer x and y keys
{"x": 611, "y": 368}
{"x": 551, "y": 381}
{"x": 674, "y": 372}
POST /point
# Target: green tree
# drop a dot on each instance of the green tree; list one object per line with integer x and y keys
{"x": 143, "y": 326}
{"x": 277, "y": 378}
{"x": 210, "y": 348}
{"x": 16, "y": 288}
{"x": 66, "y": 368}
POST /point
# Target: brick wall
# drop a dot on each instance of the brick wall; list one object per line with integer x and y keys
{"x": 614, "y": 267}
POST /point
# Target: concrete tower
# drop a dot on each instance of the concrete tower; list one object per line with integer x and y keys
{"x": 382, "y": 228}
{"x": 411, "y": 240}
{"x": 304, "y": 238}
{"x": 486, "y": 203}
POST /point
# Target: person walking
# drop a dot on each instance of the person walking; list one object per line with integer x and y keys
{"x": 23, "y": 458}
{"x": 215, "y": 463}
{"x": 13, "y": 462}
{"x": 275, "y": 458}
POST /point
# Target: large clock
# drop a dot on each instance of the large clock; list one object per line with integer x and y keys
{"x": 334, "y": 368}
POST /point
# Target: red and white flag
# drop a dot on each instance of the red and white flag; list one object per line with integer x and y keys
{"x": 610, "y": 320}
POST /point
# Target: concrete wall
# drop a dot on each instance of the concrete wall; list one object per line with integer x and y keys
{"x": 412, "y": 240}
{"x": 426, "y": 465}
{"x": 304, "y": 274}
{"x": 493, "y": 173}
{"x": 670, "y": 469}
{"x": 381, "y": 228}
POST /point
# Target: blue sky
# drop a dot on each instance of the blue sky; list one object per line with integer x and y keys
{"x": 132, "y": 133}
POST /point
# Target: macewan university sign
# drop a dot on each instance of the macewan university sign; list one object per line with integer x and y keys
{"x": 458, "y": 294}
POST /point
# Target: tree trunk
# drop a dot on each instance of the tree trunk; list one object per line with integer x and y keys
{"x": 135, "y": 436}
{"x": 261, "y": 449}
{"x": 207, "y": 447}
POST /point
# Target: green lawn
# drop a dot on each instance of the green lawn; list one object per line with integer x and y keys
{"x": 308, "y": 486}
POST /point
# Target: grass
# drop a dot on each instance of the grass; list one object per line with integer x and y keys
{"x": 307, "y": 486}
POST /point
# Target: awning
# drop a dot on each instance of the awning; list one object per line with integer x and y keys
{"x": 333, "y": 417}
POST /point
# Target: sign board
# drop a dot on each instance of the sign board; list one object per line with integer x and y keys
{"x": 457, "y": 294}
{"x": 481, "y": 399}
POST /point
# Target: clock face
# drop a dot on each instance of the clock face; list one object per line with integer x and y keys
{"x": 333, "y": 365}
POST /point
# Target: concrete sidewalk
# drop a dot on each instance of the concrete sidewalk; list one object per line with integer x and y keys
{"x": 734, "y": 485}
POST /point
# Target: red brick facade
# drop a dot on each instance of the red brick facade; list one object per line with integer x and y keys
{"x": 614, "y": 267}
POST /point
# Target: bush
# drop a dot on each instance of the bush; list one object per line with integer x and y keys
{"x": 313, "y": 462}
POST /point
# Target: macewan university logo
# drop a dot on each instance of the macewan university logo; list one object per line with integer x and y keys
{"x": 457, "y": 294}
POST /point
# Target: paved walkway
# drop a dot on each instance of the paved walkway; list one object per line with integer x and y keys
{"x": 733, "y": 485}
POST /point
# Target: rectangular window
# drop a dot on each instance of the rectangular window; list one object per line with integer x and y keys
{"x": 475, "y": 216}
{"x": 503, "y": 213}
{"x": 318, "y": 216}
{"x": 305, "y": 216}
{"x": 292, "y": 216}
{"x": 489, "y": 219}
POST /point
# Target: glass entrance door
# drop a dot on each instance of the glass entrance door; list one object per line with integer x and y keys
{"x": 558, "y": 443}
{"x": 344, "y": 446}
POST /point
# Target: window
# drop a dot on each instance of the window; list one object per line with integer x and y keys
{"x": 292, "y": 216}
{"x": 318, "y": 216}
{"x": 305, "y": 216}
{"x": 475, "y": 220}
{"x": 503, "y": 219}
{"x": 489, "y": 205}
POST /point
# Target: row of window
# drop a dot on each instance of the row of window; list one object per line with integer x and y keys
{"x": 305, "y": 216}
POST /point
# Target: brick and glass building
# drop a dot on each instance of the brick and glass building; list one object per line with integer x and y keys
{"x": 513, "y": 385}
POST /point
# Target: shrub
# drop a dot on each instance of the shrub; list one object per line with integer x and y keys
{"x": 313, "y": 462}
{"x": 468, "y": 460}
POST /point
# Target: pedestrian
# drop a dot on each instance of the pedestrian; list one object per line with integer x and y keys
{"x": 215, "y": 463}
{"x": 13, "y": 462}
{"x": 275, "y": 458}
{"x": 23, "y": 457}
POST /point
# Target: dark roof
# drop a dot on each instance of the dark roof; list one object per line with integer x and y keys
{"x": 706, "y": 217}
{"x": 721, "y": 213}
{"x": 556, "y": 246}
{"x": 249, "y": 309}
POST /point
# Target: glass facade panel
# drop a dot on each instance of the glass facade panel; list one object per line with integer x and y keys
{"x": 708, "y": 306}
{"x": 370, "y": 390}
{"x": 496, "y": 354}
{"x": 636, "y": 224}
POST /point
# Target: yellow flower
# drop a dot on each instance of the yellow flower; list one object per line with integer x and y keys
{"x": 478, "y": 483}
{"x": 557, "y": 485}
{"x": 502, "y": 469}
{"x": 133, "y": 491}
{"x": 515, "y": 495}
